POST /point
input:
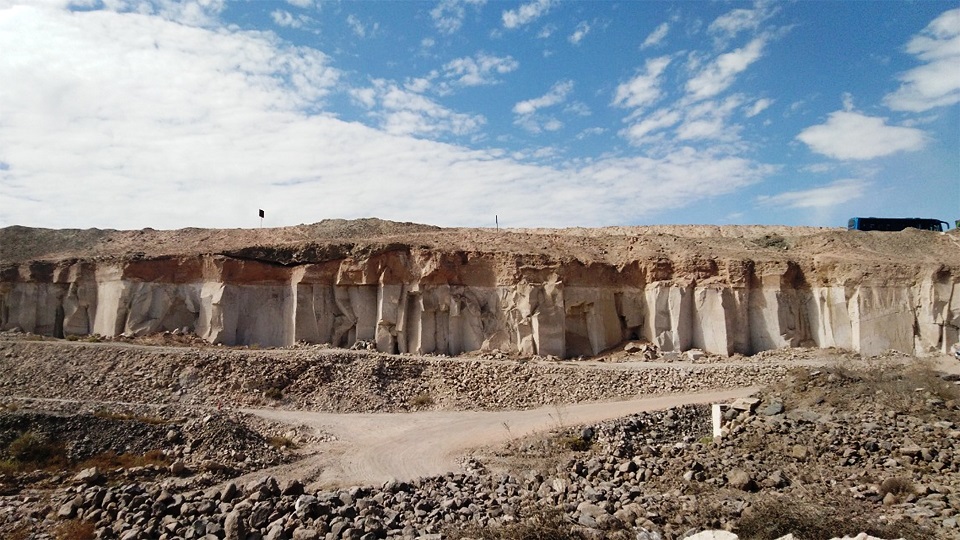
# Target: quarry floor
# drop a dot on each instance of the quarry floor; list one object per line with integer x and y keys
{"x": 361, "y": 418}
{"x": 375, "y": 448}
{"x": 359, "y": 447}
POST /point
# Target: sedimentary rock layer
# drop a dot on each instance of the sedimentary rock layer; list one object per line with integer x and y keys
{"x": 418, "y": 299}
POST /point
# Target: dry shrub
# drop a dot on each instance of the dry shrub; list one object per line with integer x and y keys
{"x": 774, "y": 241}
{"x": 112, "y": 460}
{"x": 906, "y": 388}
{"x": 575, "y": 443}
{"x": 773, "y": 517}
{"x": 278, "y": 441}
{"x": 32, "y": 451}
{"x": 897, "y": 485}
{"x": 124, "y": 416}
{"x": 542, "y": 524}
{"x": 18, "y": 532}
{"x": 421, "y": 400}
{"x": 75, "y": 529}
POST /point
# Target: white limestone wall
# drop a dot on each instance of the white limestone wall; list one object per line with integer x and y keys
{"x": 882, "y": 318}
{"x": 261, "y": 314}
{"x": 670, "y": 314}
{"x": 547, "y": 318}
{"x": 159, "y": 307}
{"x": 31, "y": 306}
{"x": 80, "y": 307}
{"x": 829, "y": 317}
{"x": 938, "y": 314}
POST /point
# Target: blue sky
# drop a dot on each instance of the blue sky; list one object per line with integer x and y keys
{"x": 135, "y": 113}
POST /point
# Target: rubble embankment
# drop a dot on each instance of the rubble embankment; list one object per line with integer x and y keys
{"x": 336, "y": 380}
{"x": 824, "y": 453}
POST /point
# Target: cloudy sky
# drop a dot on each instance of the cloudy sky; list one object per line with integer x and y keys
{"x": 163, "y": 114}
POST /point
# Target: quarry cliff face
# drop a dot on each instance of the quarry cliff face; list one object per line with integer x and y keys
{"x": 561, "y": 293}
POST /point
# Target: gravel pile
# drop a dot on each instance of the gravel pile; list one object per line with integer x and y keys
{"x": 335, "y": 380}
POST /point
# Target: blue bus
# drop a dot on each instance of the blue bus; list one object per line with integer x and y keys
{"x": 896, "y": 224}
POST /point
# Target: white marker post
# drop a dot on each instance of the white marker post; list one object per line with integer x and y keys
{"x": 717, "y": 419}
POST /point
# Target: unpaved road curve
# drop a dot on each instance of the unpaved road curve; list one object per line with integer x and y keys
{"x": 374, "y": 448}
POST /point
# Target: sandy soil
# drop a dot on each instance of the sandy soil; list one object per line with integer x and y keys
{"x": 374, "y": 448}
{"x": 610, "y": 244}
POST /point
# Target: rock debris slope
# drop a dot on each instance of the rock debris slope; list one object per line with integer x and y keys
{"x": 561, "y": 292}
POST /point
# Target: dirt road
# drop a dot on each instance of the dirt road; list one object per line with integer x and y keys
{"x": 374, "y": 448}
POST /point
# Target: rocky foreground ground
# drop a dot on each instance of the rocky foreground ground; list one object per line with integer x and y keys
{"x": 132, "y": 441}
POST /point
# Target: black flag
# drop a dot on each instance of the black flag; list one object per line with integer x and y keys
{"x": 261, "y": 213}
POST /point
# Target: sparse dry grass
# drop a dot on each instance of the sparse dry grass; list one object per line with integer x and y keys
{"x": 112, "y": 415}
{"x": 75, "y": 529}
{"x": 774, "y": 241}
{"x": 421, "y": 400}
{"x": 543, "y": 524}
{"x": 112, "y": 460}
{"x": 897, "y": 485}
{"x": 915, "y": 387}
{"x": 31, "y": 451}
{"x": 20, "y": 532}
{"x": 278, "y": 441}
{"x": 773, "y": 517}
{"x": 574, "y": 442}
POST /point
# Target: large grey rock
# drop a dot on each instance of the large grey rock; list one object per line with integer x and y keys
{"x": 91, "y": 475}
{"x": 306, "y": 534}
{"x": 741, "y": 479}
{"x": 234, "y": 527}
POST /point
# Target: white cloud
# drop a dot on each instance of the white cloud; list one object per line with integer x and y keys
{"x": 644, "y": 88}
{"x": 758, "y": 107}
{"x": 552, "y": 125}
{"x": 479, "y": 70}
{"x": 578, "y": 108}
{"x": 936, "y": 83}
{"x": 201, "y": 13}
{"x": 526, "y": 13}
{"x": 847, "y": 100}
{"x": 190, "y": 12}
{"x": 358, "y": 28}
{"x": 301, "y": 3}
{"x": 448, "y": 15}
{"x": 418, "y": 84}
{"x": 708, "y": 120}
{"x": 739, "y": 20}
{"x": 722, "y": 72}
{"x": 285, "y": 18}
{"x": 656, "y": 37}
{"x": 661, "y": 119}
{"x": 535, "y": 123}
{"x": 153, "y": 123}
{"x": 546, "y": 31}
{"x": 557, "y": 94}
{"x": 579, "y": 33}
{"x": 678, "y": 178}
{"x": 404, "y": 112}
{"x": 366, "y": 97}
{"x": 834, "y": 194}
{"x": 851, "y": 135}
{"x": 591, "y": 132}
